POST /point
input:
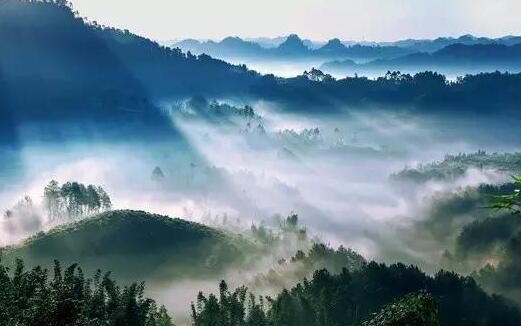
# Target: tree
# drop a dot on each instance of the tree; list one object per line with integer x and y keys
{"x": 292, "y": 221}
{"x": 53, "y": 199}
{"x": 158, "y": 175}
{"x": 69, "y": 191}
{"x": 374, "y": 295}
{"x": 74, "y": 199}
{"x": 235, "y": 308}
{"x": 106, "y": 203}
{"x": 93, "y": 199}
{"x": 30, "y": 297}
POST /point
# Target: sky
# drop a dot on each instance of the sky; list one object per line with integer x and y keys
{"x": 369, "y": 20}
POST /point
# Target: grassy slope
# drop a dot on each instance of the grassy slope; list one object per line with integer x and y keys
{"x": 132, "y": 244}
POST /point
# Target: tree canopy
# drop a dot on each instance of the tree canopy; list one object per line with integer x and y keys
{"x": 31, "y": 297}
{"x": 376, "y": 294}
{"x": 74, "y": 199}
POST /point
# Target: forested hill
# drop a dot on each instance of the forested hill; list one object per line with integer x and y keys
{"x": 47, "y": 40}
{"x": 133, "y": 245}
{"x": 427, "y": 92}
{"x": 56, "y": 67}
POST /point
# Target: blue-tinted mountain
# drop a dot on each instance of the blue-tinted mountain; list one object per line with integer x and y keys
{"x": 269, "y": 48}
{"x": 336, "y": 49}
{"x": 228, "y": 47}
{"x": 55, "y": 68}
{"x": 292, "y": 46}
{"x": 333, "y": 47}
{"x": 267, "y": 42}
{"x": 441, "y": 42}
{"x": 498, "y": 55}
{"x": 481, "y": 52}
{"x": 235, "y": 47}
{"x": 460, "y": 58}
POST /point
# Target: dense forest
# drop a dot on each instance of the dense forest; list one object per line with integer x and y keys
{"x": 32, "y": 297}
{"x": 344, "y": 289}
{"x": 113, "y": 79}
{"x": 351, "y": 298}
{"x": 477, "y": 229}
{"x": 405, "y": 295}
{"x": 376, "y": 294}
{"x": 424, "y": 92}
{"x": 107, "y": 78}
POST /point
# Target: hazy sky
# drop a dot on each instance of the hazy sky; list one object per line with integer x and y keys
{"x": 315, "y": 19}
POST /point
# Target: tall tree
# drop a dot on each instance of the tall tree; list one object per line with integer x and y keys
{"x": 53, "y": 199}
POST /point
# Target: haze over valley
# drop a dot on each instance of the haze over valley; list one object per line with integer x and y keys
{"x": 255, "y": 180}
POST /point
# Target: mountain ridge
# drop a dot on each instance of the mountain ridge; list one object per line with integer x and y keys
{"x": 340, "y": 48}
{"x": 498, "y": 56}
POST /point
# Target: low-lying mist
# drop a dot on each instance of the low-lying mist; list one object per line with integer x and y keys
{"x": 241, "y": 165}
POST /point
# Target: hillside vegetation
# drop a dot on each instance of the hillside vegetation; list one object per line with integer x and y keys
{"x": 89, "y": 79}
{"x": 132, "y": 244}
{"x": 454, "y": 166}
{"x": 31, "y": 297}
{"x": 376, "y": 294}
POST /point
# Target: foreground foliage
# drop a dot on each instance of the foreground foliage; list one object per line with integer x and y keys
{"x": 350, "y": 298}
{"x": 30, "y": 297}
{"x": 415, "y": 309}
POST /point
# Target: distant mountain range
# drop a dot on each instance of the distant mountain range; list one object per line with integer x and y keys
{"x": 468, "y": 57}
{"x": 293, "y": 45}
{"x": 441, "y": 42}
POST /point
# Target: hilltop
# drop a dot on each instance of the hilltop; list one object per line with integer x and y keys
{"x": 133, "y": 245}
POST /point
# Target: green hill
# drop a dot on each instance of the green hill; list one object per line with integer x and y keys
{"x": 133, "y": 245}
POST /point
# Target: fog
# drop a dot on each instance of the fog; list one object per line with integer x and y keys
{"x": 370, "y": 67}
{"x": 337, "y": 183}
{"x": 336, "y": 178}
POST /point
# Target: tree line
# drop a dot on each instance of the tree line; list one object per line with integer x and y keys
{"x": 376, "y": 294}
{"x": 31, "y": 297}
{"x": 74, "y": 199}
